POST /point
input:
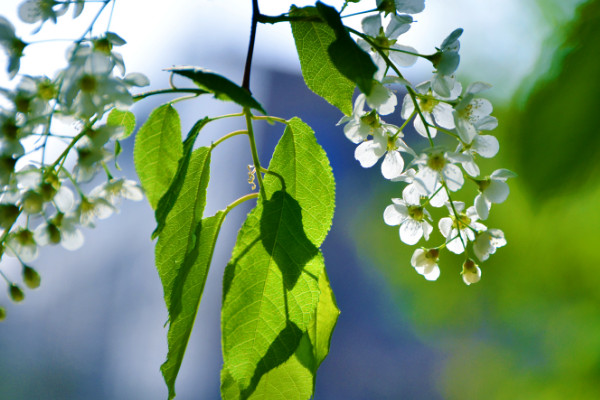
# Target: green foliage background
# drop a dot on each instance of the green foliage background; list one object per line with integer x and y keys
{"x": 531, "y": 328}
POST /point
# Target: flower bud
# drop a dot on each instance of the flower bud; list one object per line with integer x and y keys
{"x": 471, "y": 272}
{"x": 2, "y": 313}
{"x": 8, "y": 215}
{"x": 33, "y": 202}
{"x": 31, "y": 278}
{"x": 16, "y": 293}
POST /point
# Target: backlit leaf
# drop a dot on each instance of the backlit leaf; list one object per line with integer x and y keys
{"x": 183, "y": 254}
{"x": 157, "y": 151}
{"x": 271, "y": 285}
{"x": 313, "y": 39}
{"x": 221, "y": 87}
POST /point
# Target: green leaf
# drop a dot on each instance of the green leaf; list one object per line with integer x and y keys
{"x": 271, "y": 284}
{"x": 118, "y": 150}
{"x": 294, "y": 378}
{"x": 354, "y": 63}
{"x": 320, "y": 74}
{"x": 166, "y": 202}
{"x": 323, "y": 325}
{"x": 126, "y": 119}
{"x": 183, "y": 254}
{"x": 221, "y": 87}
{"x": 157, "y": 151}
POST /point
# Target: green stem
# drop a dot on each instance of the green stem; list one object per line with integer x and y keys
{"x": 358, "y": 13}
{"x": 269, "y": 118}
{"x": 229, "y": 135}
{"x": 413, "y": 96}
{"x": 141, "y": 96}
{"x": 239, "y": 201}
{"x": 254, "y": 152}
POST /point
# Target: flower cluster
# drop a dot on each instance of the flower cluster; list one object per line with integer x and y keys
{"x": 44, "y": 200}
{"x": 431, "y": 176}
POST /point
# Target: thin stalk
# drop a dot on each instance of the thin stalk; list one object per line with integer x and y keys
{"x": 254, "y": 152}
{"x": 248, "y": 66}
{"x": 229, "y": 135}
{"x": 141, "y": 96}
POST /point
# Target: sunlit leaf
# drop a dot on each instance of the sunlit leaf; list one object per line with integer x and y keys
{"x": 157, "y": 151}
{"x": 126, "y": 119}
{"x": 167, "y": 201}
{"x": 271, "y": 285}
{"x": 313, "y": 39}
{"x": 345, "y": 54}
{"x": 183, "y": 254}
{"x": 221, "y": 87}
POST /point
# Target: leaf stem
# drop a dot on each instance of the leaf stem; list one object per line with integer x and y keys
{"x": 254, "y": 151}
{"x": 229, "y": 135}
{"x": 239, "y": 201}
{"x": 141, "y": 96}
{"x": 269, "y": 118}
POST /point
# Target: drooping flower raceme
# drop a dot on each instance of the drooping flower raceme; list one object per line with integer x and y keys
{"x": 43, "y": 199}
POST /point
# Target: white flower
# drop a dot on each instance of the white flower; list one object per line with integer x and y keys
{"x": 425, "y": 263}
{"x": 446, "y": 62}
{"x": 459, "y": 229}
{"x": 487, "y": 242}
{"x": 412, "y": 219}
{"x": 470, "y": 272}
{"x": 385, "y": 40}
{"x": 32, "y": 11}
{"x": 21, "y": 244}
{"x": 370, "y": 151}
{"x": 115, "y": 189}
{"x": 61, "y": 229}
{"x": 486, "y": 146}
{"x": 417, "y": 189}
{"x": 432, "y": 106}
{"x": 401, "y": 6}
{"x": 361, "y": 124}
{"x": 12, "y": 45}
{"x": 437, "y": 167}
{"x": 492, "y": 190}
{"x": 91, "y": 208}
{"x": 472, "y": 115}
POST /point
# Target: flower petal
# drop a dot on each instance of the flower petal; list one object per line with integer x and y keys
{"x": 410, "y": 231}
{"x": 395, "y": 214}
{"x": 367, "y": 153}
{"x": 497, "y": 192}
{"x": 392, "y": 165}
{"x": 486, "y": 146}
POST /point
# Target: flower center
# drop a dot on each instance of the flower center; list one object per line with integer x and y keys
{"x": 416, "y": 213}
{"x": 103, "y": 45}
{"x": 462, "y": 222}
{"x": 370, "y": 119}
{"x": 484, "y": 184}
{"x": 432, "y": 254}
{"x": 46, "y": 90}
{"x": 427, "y": 104}
{"x": 88, "y": 83}
{"x": 436, "y": 162}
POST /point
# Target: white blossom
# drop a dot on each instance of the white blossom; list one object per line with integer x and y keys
{"x": 493, "y": 189}
{"x": 433, "y": 107}
{"x": 425, "y": 263}
{"x": 487, "y": 242}
{"x": 459, "y": 228}
{"x": 412, "y": 218}
{"x": 471, "y": 273}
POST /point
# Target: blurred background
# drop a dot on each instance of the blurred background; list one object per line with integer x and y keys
{"x": 529, "y": 330}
